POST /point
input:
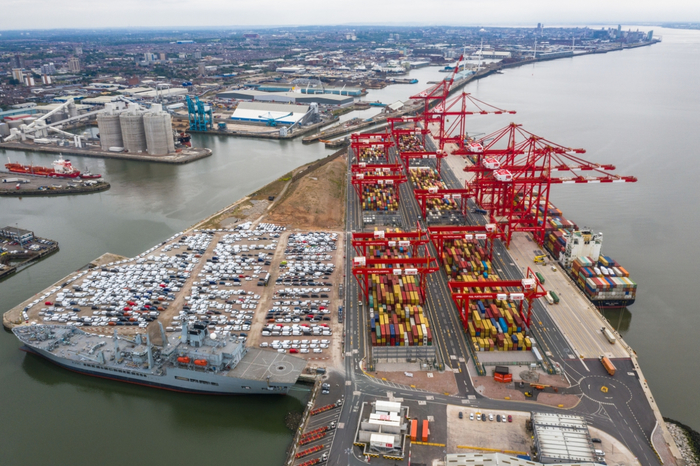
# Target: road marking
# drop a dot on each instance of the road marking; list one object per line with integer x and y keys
{"x": 430, "y": 397}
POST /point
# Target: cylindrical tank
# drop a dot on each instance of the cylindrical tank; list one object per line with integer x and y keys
{"x": 28, "y": 120}
{"x": 4, "y": 130}
{"x": 133, "y": 134}
{"x": 159, "y": 133}
{"x": 15, "y": 124}
{"x": 72, "y": 110}
{"x": 110, "y": 131}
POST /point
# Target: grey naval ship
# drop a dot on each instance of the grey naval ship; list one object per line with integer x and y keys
{"x": 198, "y": 362}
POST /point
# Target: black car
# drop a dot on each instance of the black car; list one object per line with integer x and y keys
{"x": 596, "y": 440}
{"x": 483, "y": 417}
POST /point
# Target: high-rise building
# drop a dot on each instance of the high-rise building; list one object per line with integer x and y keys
{"x": 202, "y": 69}
{"x": 48, "y": 68}
{"x": 18, "y": 61}
{"x": 17, "y": 74}
{"x": 74, "y": 64}
{"x": 78, "y": 50}
{"x": 162, "y": 56}
{"x": 197, "y": 54}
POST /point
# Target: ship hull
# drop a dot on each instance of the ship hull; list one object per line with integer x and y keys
{"x": 177, "y": 380}
{"x": 605, "y": 303}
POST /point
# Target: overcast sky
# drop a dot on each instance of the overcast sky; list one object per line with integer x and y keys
{"x": 49, "y": 14}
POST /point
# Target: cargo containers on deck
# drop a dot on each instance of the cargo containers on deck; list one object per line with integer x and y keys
{"x": 603, "y": 280}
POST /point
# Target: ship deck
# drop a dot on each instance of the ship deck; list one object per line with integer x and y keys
{"x": 259, "y": 365}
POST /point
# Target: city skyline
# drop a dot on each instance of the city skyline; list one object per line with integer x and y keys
{"x": 83, "y": 14}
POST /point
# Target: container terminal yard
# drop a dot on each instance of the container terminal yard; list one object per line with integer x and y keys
{"x": 442, "y": 315}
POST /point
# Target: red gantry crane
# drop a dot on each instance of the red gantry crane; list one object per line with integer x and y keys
{"x": 377, "y": 142}
{"x": 520, "y": 291}
{"x": 413, "y": 241}
{"x": 514, "y": 172}
{"x": 364, "y": 267}
{"x": 487, "y": 233}
{"x": 377, "y": 175}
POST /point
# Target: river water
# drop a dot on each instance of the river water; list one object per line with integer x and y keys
{"x": 636, "y": 109}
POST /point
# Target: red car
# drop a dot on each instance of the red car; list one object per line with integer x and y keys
{"x": 293, "y": 350}
{"x": 510, "y": 418}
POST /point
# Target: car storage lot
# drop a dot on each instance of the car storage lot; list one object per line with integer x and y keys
{"x": 237, "y": 281}
{"x": 208, "y": 275}
{"x": 300, "y": 309}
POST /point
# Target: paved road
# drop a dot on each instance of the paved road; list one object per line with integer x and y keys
{"x": 622, "y": 412}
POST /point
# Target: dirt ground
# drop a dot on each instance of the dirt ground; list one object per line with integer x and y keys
{"x": 508, "y": 437}
{"x": 444, "y": 383}
{"x": 317, "y": 201}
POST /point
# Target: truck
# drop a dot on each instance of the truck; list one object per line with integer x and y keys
{"x": 608, "y": 365}
{"x": 555, "y": 298}
{"x": 540, "y": 277}
{"x": 609, "y": 335}
{"x": 539, "y": 259}
{"x": 549, "y": 298}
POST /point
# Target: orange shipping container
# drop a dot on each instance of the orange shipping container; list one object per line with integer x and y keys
{"x": 425, "y": 431}
{"x": 414, "y": 430}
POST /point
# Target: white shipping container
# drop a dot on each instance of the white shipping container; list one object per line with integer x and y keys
{"x": 388, "y": 406}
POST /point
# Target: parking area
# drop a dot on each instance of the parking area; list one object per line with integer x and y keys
{"x": 481, "y": 430}
{"x": 301, "y": 314}
{"x": 213, "y": 276}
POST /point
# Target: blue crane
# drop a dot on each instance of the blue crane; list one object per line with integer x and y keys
{"x": 200, "y": 116}
{"x": 271, "y": 121}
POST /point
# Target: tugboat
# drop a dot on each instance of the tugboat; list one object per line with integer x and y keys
{"x": 184, "y": 139}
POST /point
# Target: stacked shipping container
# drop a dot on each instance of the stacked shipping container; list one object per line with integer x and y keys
{"x": 494, "y": 325}
{"x": 426, "y": 178}
{"x": 395, "y": 306}
{"x": 603, "y": 279}
{"x": 372, "y": 154}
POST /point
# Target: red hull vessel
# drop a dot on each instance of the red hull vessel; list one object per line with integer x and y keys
{"x": 60, "y": 169}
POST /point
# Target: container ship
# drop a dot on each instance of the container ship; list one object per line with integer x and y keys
{"x": 196, "y": 362}
{"x": 61, "y": 168}
{"x": 603, "y": 280}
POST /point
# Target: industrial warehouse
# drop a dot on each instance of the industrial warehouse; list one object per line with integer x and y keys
{"x": 286, "y": 97}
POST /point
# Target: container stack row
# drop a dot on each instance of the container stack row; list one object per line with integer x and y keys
{"x": 603, "y": 279}
{"x": 382, "y": 198}
{"x": 494, "y": 325}
{"x": 555, "y": 219}
{"x": 497, "y": 326}
{"x": 395, "y": 305}
{"x": 465, "y": 256}
{"x": 372, "y": 155}
{"x": 410, "y": 143}
{"x": 426, "y": 178}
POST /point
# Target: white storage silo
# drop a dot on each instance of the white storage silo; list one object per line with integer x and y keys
{"x": 159, "y": 133}
{"x": 133, "y": 134}
{"x": 110, "y": 131}
{"x": 4, "y": 130}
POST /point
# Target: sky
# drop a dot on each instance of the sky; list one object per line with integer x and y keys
{"x": 50, "y": 14}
